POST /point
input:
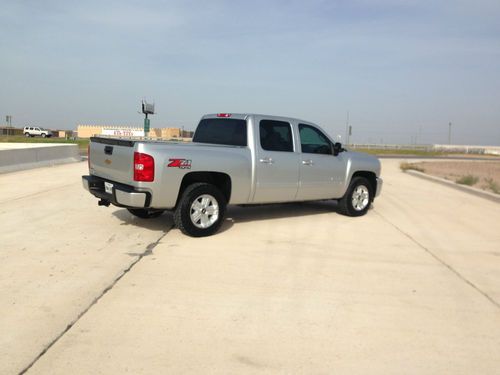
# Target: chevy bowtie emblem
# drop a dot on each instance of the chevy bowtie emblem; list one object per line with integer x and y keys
{"x": 107, "y": 161}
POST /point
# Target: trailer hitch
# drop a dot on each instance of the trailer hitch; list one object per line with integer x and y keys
{"x": 103, "y": 202}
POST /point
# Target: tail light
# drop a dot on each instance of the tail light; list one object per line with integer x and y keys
{"x": 225, "y": 115}
{"x": 144, "y": 167}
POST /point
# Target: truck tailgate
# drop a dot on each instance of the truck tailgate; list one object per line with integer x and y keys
{"x": 112, "y": 159}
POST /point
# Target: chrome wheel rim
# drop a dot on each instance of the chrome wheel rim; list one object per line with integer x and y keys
{"x": 204, "y": 211}
{"x": 360, "y": 197}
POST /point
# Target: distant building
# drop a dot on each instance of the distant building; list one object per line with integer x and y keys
{"x": 63, "y": 133}
{"x": 87, "y": 131}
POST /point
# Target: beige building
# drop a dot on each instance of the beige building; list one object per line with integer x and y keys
{"x": 87, "y": 131}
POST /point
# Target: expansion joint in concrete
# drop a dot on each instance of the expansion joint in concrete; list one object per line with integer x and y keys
{"x": 453, "y": 270}
{"x": 147, "y": 251}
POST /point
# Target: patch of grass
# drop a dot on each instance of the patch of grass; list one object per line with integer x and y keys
{"x": 468, "y": 180}
{"x": 492, "y": 185}
{"x": 411, "y": 166}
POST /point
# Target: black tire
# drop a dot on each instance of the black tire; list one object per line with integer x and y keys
{"x": 145, "y": 214}
{"x": 346, "y": 205}
{"x": 183, "y": 211}
{"x": 44, "y": 135}
{"x": 26, "y": 134}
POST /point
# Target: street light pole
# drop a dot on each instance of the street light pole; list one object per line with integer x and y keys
{"x": 147, "y": 109}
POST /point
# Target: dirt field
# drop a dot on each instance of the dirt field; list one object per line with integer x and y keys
{"x": 487, "y": 173}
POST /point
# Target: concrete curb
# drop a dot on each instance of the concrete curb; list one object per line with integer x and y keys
{"x": 19, "y": 157}
{"x": 39, "y": 164}
{"x": 467, "y": 189}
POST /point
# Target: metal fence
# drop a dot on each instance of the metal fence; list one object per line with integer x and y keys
{"x": 371, "y": 146}
{"x": 459, "y": 149}
{"x": 6, "y": 130}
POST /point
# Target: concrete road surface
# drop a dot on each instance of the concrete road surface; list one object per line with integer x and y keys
{"x": 412, "y": 287}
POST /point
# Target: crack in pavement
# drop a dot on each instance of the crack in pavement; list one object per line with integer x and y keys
{"x": 146, "y": 252}
{"x": 453, "y": 270}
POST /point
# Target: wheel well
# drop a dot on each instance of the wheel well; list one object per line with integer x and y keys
{"x": 218, "y": 179}
{"x": 370, "y": 176}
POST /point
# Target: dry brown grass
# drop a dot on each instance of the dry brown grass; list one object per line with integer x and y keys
{"x": 411, "y": 166}
{"x": 492, "y": 185}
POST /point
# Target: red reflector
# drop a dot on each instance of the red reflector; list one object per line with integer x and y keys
{"x": 223, "y": 115}
{"x": 144, "y": 167}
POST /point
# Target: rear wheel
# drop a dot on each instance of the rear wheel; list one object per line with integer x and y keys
{"x": 357, "y": 199}
{"x": 145, "y": 214}
{"x": 200, "y": 211}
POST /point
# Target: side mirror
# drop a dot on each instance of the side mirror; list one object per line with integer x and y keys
{"x": 337, "y": 148}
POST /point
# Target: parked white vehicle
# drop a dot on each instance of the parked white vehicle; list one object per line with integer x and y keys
{"x": 32, "y": 131}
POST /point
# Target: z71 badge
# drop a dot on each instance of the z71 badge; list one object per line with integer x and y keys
{"x": 179, "y": 163}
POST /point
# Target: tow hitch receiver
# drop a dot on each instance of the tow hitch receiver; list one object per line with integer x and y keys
{"x": 103, "y": 202}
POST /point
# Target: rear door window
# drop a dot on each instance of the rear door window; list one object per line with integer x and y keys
{"x": 276, "y": 135}
{"x": 221, "y": 131}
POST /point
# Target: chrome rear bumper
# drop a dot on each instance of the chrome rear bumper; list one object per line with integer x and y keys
{"x": 119, "y": 194}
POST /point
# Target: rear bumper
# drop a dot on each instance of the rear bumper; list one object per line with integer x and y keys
{"x": 380, "y": 182}
{"x": 119, "y": 194}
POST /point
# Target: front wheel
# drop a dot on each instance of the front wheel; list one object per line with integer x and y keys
{"x": 26, "y": 134}
{"x": 357, "y": 199}
{"x": 200, "y": 211}
{"x": 44, "y": 135}
{"x": 145, "y": 214}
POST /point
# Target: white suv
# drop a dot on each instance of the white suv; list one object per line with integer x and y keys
{"x": 31, "y": 131}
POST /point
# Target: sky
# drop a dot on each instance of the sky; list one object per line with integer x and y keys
{"x": 403, "y": 70}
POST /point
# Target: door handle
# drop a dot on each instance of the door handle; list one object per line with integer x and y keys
{"x": 307, "y": 162}
{"x": 267, "y": 160}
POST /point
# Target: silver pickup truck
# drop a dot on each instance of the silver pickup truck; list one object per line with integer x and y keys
{"x": 233, "y": 159}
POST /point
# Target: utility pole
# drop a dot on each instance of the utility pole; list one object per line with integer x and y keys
{"x": 347, "y": 129}
{"x": 8, "y": 120}
{"x": 449, "y": 133}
